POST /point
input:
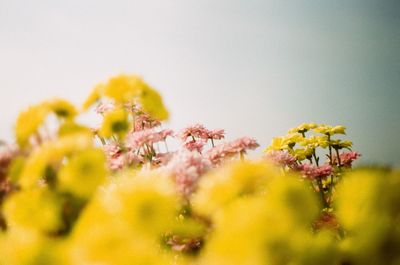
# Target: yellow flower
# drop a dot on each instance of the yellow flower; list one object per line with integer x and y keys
{"x": 28, "y": 123}
{"x": 26, "y": 246}
{"x": 329, "y": 130}
{"x": 302, "y": 153}
{"x": 315, "y": 141}
{"x": 62, "y": 108}
{"x": 51, "y": 153}
{"x": 71, "y": 127}
{"x": 115, "y": 123}
{"x": 224, "y": 185}
{"x": 339, "y": 144}
{"x": 276, "y": 145}
{"x": 94, "y": 96}
{"x": 124, "y": 88}
{"x": 147, "y": 202}
{"x": 239, "y": 232}
{"x": 152, "y": 104}
{"x": 291, "y": 200}
{"x": 83, "y": 173}
{"x": 286, "y": 142}
{"x": 302, "y": 128}
{"x": 38, "y": 209}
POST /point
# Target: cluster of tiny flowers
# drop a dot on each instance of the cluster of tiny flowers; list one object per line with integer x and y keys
{"x": 231, "y": 149}
{"x": 299, "y": 151}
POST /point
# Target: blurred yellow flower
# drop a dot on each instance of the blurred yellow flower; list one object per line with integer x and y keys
{"x": 115, "y": 123}
{"x": 225, "y": 184}
{"x": 83, "y": 173}
{"x": 28, "y": 123}
{"x": 94, "y": 96}
{"x": 38, "y": 209}
{"x": 152, "y": 104}
{"x": 50, "y": 153}
{"x": 61, "y": 108}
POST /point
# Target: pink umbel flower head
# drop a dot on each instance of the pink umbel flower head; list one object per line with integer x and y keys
{"x": 186, "y": 168}
{"x": 143, "y": 121}
{"x": 216, "y": 134}
{"x": 136, "y": 140}
{"x": 115, "y": 157}
{"x": 281, "y": 158}
{"x": 197, "y": 131}
{"x": 346, "y": 158}
{"x": 195, "y": 145}
{"x": 314, "y": 172}
{"x": 223, "y": 151}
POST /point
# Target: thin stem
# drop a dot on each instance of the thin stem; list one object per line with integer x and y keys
{"x": 338, "y": 157}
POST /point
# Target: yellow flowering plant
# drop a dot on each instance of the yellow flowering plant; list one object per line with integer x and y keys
{"x": 117, "y": 194}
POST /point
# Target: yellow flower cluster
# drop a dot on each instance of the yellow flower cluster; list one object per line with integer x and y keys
{"x": 306, "y": 146}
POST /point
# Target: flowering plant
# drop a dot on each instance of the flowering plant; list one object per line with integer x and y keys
{"x": 119, "y": 194}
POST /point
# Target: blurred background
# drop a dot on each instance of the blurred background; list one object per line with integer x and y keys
{"x": 252, "y": 67}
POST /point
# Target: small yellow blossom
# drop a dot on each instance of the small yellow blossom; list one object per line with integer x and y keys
{"x": 315, "y": 141}
{"x": 339, "y": 144}
{"x": 330, "y": 130}
{"x": 302, "y": 128}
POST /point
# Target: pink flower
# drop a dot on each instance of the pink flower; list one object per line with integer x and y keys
{"x": 186, "y": 168}
{"x": 136, "y": 140}
{"x": 346, "y": 158}
{"x": 143, "y": 121}
{"x": 314, "y": 172}
{"x": 112, "y": 149}
{"x": 196, "y": 130}
{"x": 195, "y": 145}
{"x": 227, "y": 150}
{"x": 102, "y": 108}
{"x": 216, "y": 134}
{"x": 117, "y": 162}
{"x": 281, "y": 158}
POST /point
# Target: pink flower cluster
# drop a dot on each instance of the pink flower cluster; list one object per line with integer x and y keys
{"x": 346, "y": 158}
{"x": 201, "y": 132}
{"x": 186, "y": 168}
{"x": 282, "y": 158}
{"x": 136, "y": 140}
{"x": 316, "y": 172}
{"x": 223, "y": 151}
{"x": 143, "y": 121}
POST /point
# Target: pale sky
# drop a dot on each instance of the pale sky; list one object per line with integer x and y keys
{"x": 255, "y": 68}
